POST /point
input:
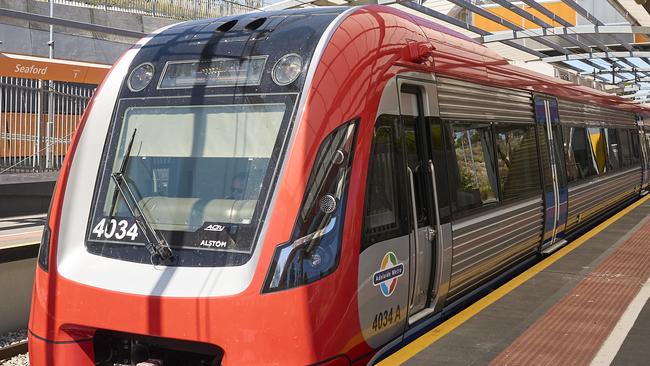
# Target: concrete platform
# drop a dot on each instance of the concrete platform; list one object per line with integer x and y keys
{"x": 586, "y": 304}
{"x": 21, "y": 230}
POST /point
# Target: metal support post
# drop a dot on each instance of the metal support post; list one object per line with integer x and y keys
{"x": 40, "y": 127}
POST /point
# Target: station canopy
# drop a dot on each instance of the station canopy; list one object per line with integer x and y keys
{"x": 604, "y": 41}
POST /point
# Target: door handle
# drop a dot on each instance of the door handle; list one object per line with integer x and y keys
{"x": 431, "y": 233}
{"x": 432, "y": 170}
{"x": 438, "y": 231}
{"x": 415, "y": 229}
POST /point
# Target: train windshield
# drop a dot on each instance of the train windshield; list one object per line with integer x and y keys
{"x": 200, "y": 175}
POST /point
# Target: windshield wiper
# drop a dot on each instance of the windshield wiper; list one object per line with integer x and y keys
{"x": 155, "y": 244}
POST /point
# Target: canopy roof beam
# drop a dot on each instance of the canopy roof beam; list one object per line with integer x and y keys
{"x": 530, "y": 17}
{"x": 586, "y": 56}
{"x": 582, "y": 30}
{"x": 592, "y": 19}
{"x": 497, "y": 19}
{"x": 558, "y": 19}
{"x": 459, "y": 23}
{"x": 618, "y": 71}
{"x": 624, "y": 13}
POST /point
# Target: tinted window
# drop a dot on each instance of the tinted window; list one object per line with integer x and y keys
{"x": 636, "y": 149}
{"x": 579, "y": 159}
{"x": 410, "y": 106}
{"x": 614, "y": 154}
{"x": 517, "y": 160}
{"x": 626, "y": 153}
{"x": 476, "y": 174}
{"x": 382, "y": 219}
{"x": 439, "y": 144}
{"x": 569, "y": 158}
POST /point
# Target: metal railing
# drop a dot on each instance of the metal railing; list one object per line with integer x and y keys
{"x": 177, "y": 9}
{"x": 37, "y": 121}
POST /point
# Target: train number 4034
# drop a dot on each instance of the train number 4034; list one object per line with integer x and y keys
{"x": 386, "y": 318}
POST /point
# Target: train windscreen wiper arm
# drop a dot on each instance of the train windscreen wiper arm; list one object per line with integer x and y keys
{"x": 155, "y": 244}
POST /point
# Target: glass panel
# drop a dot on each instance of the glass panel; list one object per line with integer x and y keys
{"x": 197, "y": 172}
{"x": 626, "y": 153}
{"x": 572, "y": 172}
{"x": 518, "y": 161}
{"x": 614, "y": 154}
{"x": 636, "y": 153}
{"x": 581, "y": 149}
{"x": 213, "y": 73}
{"x": 475, "y": 163}
{"x": 597, "y": 139}
{"x": 439, "y": 143}
{"x": 382, "y": 219}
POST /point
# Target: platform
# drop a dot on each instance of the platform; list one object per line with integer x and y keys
{"x": 21, "y": 230}
{"x": 20, "y": 237}
{"x": 586, "y": 304}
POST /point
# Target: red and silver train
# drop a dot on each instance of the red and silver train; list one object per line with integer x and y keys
{"x": 312, "y": 187}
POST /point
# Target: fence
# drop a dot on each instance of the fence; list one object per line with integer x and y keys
{"x": 31, "y": 141}
{"x": 177, "y": 9}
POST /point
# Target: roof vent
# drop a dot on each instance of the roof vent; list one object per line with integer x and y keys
{"x": 255, "y": 24}
{"x": 226, "y": 26}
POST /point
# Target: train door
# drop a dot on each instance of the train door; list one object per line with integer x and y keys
{"x": 554, "y": 178}
{"x": 401, "y": 276}
{"x": 429, "y": 274}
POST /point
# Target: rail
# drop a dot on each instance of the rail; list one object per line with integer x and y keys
{"x": 176, "y": 9}
{"x": 13, "y": 350}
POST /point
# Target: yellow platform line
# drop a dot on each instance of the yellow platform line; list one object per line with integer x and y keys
{"x": 427, "y": 339}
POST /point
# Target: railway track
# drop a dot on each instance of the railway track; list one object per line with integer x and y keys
{"x": 13, "y": 350}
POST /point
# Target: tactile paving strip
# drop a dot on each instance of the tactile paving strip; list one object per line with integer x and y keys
{"x": 573, "y": 330}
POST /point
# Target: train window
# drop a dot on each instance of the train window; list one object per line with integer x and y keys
{"x": 199, "y": 173}
{"x": 477, "y": 178}
{"x": 315, "y": 245}
{"x": 580, "y": 161}
{"x": 636, "y": 149}
{"x": 626, "y": 153}
{"x": 613, "y": 152}
{"x": 597, "y": 140}
{"x": 440, "y": 143}
{"x": 382, "y": 219}
{"x": 569, "y": 158}
{"x": 517, "y": 161}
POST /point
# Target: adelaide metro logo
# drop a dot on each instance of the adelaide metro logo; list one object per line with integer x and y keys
{"x": 389, "y": 272}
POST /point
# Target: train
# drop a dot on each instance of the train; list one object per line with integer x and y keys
{"x": 313, "y": 187}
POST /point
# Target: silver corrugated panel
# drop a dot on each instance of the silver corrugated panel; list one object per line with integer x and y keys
{"x": 488, "y": 244}
{"x": 460, "y": 100}
{"x": 591, "y": 199}
{"x": 572, "y": 112}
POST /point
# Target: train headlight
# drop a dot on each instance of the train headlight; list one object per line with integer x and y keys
{"x": 141, "y": 77}
{"x": 287, "y": 69}
{"x": 314, "y": 248}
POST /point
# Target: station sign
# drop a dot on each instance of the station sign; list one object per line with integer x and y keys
{"x": 31, "y": 67}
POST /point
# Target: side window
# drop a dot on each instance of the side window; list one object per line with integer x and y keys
{"x": 585, "y": 165}
{"x": 597, "y": 140}
{"x": 636, "y": 149}
{"x": 382, "y": 219}
{"x": 517, "y": 161}
{"x": 572, "y": 172}
{"x": 613, "y": 155}
{"x": 476, "y": 173}
{"x": 626, "y": 153}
